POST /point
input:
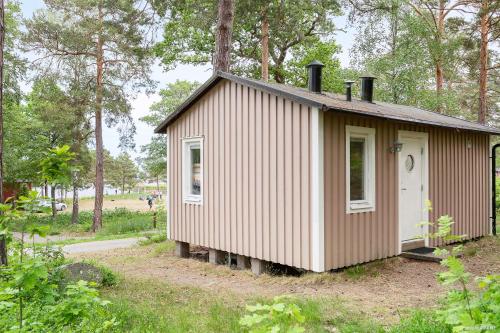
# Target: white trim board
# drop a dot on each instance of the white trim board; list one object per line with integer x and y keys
{"x": 317, "y": 191}
{"x": 188, "y": 198}
{"x": 368, "y": 203}
{"x": 167, "y": 196}
{"x": 424, "y": 139}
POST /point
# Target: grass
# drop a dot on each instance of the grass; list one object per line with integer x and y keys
{"x": 155, "y": 306}
{"x": 117, "y": 223}
{"x": 148, "y": 305}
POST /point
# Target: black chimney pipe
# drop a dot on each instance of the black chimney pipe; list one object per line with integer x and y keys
{"x": 367, "y": 88}
{"x": 348, "y": 90}
{"x": 314, "y": 76}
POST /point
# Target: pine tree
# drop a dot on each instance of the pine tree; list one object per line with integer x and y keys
{"x": 108, "y": 36}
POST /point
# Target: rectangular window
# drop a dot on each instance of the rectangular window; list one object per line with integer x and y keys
{"x": 192, "y": 170}
{"x": 360, "y": 169}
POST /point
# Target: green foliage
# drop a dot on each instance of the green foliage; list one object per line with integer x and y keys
{"x": 420, "y": 322}
{"x": 30, "y": 297}
{"x": 356, "y": 272}
{"x": 189, "y": 32}
{"x": 464, "y": 309}
{"x": 119, "y": 221}
{"x": 152, "y": 239}
{"x": 109, "y": 278}
{"x": 278, "y": 316}
{"x": 154, "y": 160}
{"x": 121, "y": 172}
{"x": 295, "y": 71}
{"x": 55, "y": 166}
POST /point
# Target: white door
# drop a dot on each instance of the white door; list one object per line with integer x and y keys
{"x": 411, "y": 188}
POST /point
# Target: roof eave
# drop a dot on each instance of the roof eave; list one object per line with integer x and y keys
{"x": 188, "y": 102}
{"x": 217, "y": 76}
{"x": 485, "y": 129}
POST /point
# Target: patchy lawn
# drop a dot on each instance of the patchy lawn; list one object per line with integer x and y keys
{"x": 156, "y": 283}
{"x": 117, "y": 223}
{"x": 129, "y": 201}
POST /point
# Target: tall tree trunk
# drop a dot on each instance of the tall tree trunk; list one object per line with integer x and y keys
{"x": 265, "y": 45}
{"x": 158, "y": 183}
{"x": 439, "y": 59}
{"x": 76, "y": 203}
{"x": 123, "y": 185}
{"x": 53, "y": 199}
{"x": 3, "y": 241}
{"x": 99, "y": 165}
{"x": 483, "y": 63}
{"x": 46, "y": 189}
{"x": 223, "y": 36}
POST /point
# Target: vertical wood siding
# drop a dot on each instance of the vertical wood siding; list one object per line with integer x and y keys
{"x": 256, "y": 178}
{"x": 458, "y": 186}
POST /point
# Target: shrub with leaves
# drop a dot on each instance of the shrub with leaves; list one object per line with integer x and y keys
{"x": 464, "y": 309}
{"x": 31, "y": 299}
{"x": 469, "y": 311}
{"x": 278, "y": 316}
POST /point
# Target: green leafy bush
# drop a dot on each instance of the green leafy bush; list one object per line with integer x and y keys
{"x": 464, "y": 309}
{"x": 469, "y": 311}
{"x": 31, "y": 299}
{"x": 278, "y": 316}
{"x": 109, "y": 278}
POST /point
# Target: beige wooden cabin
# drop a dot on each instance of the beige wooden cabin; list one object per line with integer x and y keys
{"x": 310, "y": 179}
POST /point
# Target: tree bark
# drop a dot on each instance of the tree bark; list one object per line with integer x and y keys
{"x": 483, "y": 63}
{"x": 3, "y": 241}
{"x": 265, "y": 45}
{"x": 99, "y": 165}
{"x": 53, "y": 199}
{"x": 223, "y": 37}
{"x": 75, "y": 210}
{"x": 439, "y": 59}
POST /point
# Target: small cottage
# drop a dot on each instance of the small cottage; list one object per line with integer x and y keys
{"x": 314, "y": 180}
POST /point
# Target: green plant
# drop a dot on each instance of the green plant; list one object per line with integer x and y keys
{"x": 355, "y": 272}
{"x": 465, "y": 310}
{"x": 420, "y": 322}
{"x": 152, "y": 239}
{"x": 278, "y": 316}
{"x": 109, "y": 278}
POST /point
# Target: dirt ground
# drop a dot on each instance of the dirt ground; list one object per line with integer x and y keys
{"x": 384, "y": 289}
{"x": 130, "y": 204}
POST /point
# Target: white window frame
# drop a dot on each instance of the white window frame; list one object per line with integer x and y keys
{"x": 187, "y": 144}
{"x": 368, "y": 204}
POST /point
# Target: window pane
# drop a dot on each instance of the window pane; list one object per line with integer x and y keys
{"x": 195, "y": 171}
{"x": 357, "y": 167}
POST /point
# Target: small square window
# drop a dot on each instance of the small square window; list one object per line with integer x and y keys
{"x": 360, "y": 169}
{"x": 192, "y": 170}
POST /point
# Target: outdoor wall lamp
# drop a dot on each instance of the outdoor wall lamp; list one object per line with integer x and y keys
{"x": 396, "y": 147}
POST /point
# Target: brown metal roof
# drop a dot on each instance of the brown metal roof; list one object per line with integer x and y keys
{"x": 334, "y": 102}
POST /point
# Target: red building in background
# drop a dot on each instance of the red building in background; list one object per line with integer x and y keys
{"x": 13, "y": 189}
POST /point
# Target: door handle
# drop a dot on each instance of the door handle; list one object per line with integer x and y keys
{"x": 403, "y": 189}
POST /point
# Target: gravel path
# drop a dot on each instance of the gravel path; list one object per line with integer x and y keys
{"x": 50, "y": 238}
{"x": 98, "y": 246}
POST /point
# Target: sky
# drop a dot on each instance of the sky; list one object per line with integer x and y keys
{"x": 142, "y": 102}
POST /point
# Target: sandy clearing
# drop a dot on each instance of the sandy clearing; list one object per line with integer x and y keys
{"x": 388, "y": 288}
{"x": 130, "y": 204}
